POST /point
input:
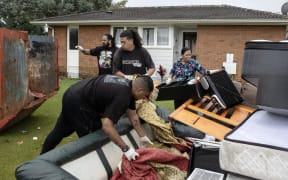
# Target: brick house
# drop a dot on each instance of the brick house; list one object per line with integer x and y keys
{"x": 210, "y": 31}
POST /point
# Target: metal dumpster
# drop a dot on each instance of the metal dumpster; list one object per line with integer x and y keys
{"x": 28, "y": 74}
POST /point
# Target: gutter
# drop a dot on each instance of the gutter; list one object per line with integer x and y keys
{"x": 173, "y": 22}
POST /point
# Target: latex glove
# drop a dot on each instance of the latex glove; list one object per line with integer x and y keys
{"x": 169, "y": 80}
{"x": 145, "y": 140}
{"x": 119, "y": 166}
{"x": 79, "y": 47}
{"x": 131, "y": 154}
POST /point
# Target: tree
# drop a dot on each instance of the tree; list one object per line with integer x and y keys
{"x": 101, "y": 4}
{"x": 17, "y": 14}
{"x": 120, "y": 4}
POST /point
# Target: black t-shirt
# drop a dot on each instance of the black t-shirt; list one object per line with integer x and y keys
{"x": 105, "y": 58}
{"x": 108, "y": 95}
{"x": 137, "y": 61}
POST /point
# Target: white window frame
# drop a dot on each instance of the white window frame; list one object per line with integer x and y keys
{"x": 112, "y": 32}
{"x": 168, "y": 36}
{"x": 140, "y": 31}
{"x": 153, "y": 35}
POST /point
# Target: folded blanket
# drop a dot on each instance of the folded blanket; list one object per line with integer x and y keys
{"x": 161, "y": 130}
{"x": 141, "y": 168}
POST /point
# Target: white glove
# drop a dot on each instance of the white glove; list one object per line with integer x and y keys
{"x": 145, "y": 140}
{"x": 79, "y": 47}
{"x": 119, "y": 166}
{"x": 131, "y": 154}
{"x": 169, "y": 80}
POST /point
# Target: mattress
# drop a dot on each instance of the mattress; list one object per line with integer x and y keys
{"x": 265, "y": 66}
{"x": 258, "y": 147}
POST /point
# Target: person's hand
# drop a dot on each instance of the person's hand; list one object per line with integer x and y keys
{"x": 79, "y": 47}
{"x": 145, "y": 140}
{"x": 131, "y": 154}
{"x": 130, "y": 77}
{"x": 169, "y": 80}
{"x": 119, "y": 166}
{"x": 192, "y": 81}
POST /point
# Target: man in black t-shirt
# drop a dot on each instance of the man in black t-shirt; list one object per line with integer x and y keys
{"x": 103, "y": 53}
{"x": 132, "y": 58}
{"x": 105, "y": 97}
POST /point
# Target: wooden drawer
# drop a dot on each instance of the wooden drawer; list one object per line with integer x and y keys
{"x": 206, "y": 117}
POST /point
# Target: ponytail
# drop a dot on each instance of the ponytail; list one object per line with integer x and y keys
{"x": 132, "y": 34}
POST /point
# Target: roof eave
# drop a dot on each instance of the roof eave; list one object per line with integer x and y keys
{"x": 171, "y": 21}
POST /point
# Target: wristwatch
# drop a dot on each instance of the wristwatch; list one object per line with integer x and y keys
{"x": 125, "y": 148}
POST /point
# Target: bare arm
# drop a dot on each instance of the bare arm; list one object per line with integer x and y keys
{"x": 85, "y": 51}
{"x": 111, "y": 132}
{"x": 120, "y": 73}
{"x": 150, "y": 71}
{"x": 134, "y": 119}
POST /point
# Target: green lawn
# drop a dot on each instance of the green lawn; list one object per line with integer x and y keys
{"x": 17, "y": 144}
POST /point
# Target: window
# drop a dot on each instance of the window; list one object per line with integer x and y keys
{"x": 134, "y": 28}
{"x": 148, "y": 36}
{"x": 116, "y": 33}
{"x": 73, "y": 38}
{"x": 163, "y": 36}
{"x": 151, "y": 36}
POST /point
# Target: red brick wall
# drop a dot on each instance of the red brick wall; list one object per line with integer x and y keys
{"x": 60, "y": 32}
{"x": 213, "y": 42}
{"x": 90, "y": 37}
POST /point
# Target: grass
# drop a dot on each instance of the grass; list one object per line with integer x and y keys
{"x": 17, "y": 144}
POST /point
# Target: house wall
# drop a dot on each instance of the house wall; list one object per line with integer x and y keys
{"x": 90, "y": 37}
{"x": 162, "y": 56}
{"x": 60, "y": 32}
{"x": 213, "y": 42}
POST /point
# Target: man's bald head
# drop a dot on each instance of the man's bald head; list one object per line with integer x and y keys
{"x": 142, "y": 87}
{"x": 145, "y": 82}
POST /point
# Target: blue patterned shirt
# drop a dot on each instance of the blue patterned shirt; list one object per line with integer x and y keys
{"x": 186, "y": 71}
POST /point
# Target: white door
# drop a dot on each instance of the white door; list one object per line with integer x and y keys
{"x": 72, "y": 52}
